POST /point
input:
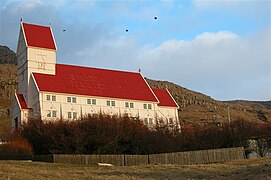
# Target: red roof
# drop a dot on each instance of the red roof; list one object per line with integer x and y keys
{"x": 164, "y": 97}
{"x": 22, "y": 102}
{"x": 39, "y": 36}
{"x": 95, "y": 82}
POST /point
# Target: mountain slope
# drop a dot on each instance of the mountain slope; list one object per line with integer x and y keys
{"x": 195, "y": 106}
{"x": 7, "y": 56}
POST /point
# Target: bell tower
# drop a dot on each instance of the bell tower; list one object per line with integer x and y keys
{"x": 36, "y": 53}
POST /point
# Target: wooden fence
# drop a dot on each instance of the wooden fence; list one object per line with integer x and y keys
{"x": 184, "y": 158}
{"x": 7, "y": 153}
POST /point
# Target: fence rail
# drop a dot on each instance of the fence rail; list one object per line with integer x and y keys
{"x": 184, "y": 158}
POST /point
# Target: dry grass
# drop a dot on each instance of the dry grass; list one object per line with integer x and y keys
{"x": 244, "y": 169}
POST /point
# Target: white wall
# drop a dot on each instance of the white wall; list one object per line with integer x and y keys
{"x": 62, "y": 107}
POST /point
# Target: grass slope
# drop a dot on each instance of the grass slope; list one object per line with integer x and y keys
{"x": 242, "y": 169}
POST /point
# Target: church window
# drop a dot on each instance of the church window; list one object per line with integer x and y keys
{"x": 113, "y": 103}
{"x": 53, "y": 113}
{"x": 108, "y": 103}
{"x": 74, "y": 99}
{"x": 145, "y": 106}
{"x": 69, "y": 115}
{"x": 127, "y": 104}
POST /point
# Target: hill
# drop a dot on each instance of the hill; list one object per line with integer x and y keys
{"x": 194, "y": 106}
{"x": 7, "y": 56}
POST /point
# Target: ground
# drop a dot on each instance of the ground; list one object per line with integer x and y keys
{"x": 242, "y": 169}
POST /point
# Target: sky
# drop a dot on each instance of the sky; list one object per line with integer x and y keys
{"x": 221, "y": 48}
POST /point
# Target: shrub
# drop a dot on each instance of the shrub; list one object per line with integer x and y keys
{"x": 105, "y": 134}
{"x": 15, "y": 147}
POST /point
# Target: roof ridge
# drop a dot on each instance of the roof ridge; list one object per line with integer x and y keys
{"x": 87, "y": 67}
{"x": 36, "y": 25}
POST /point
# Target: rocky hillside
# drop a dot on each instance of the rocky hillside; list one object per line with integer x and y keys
{"x": 7, "y": 56}
{"x": 194, "y": 106}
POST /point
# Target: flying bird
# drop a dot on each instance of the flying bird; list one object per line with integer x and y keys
{"x": 155, "y": 17}
{"x": 126, "y": 30}
{"x": 64, "y": 30}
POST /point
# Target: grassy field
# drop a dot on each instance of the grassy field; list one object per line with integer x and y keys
{"x": 243, "y": 169}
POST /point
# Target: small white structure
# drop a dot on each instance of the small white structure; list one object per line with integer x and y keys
{"x": 57, "y": 91}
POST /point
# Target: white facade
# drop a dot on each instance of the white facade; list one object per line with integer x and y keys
{"x": 51, "y": 105}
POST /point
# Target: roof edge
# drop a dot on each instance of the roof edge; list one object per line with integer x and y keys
{"x": 172, "y": 98}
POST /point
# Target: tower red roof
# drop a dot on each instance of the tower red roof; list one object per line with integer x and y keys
{"x": 164, "y": 97}
{"x": 97, "y": 82}
{"x": 39, "y": 36}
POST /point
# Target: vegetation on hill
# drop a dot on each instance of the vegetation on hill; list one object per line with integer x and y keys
{"x": 7, "y": 56}
{"x": 197, "y": 107}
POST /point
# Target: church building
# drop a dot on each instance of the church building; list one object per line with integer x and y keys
{"x": 53, "y": 91}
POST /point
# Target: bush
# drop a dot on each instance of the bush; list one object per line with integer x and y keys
{"x": 105, "y": 134}
{"x": 15, "y": 148}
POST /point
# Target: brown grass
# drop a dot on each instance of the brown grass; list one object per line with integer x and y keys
{"x": 244, "y": 169}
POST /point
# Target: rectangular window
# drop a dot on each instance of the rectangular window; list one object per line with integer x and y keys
{"x": 74, "y": 99}
{"x": 69, "y": 99}
{"x": 131, "y": 105}
{"x": 146, "y": 121}
{"x": 53, "y": 98}
{"x": 69, "y": 115}
{"x": 170, "y": 121}
{"x": 108, "y": 103}
{"x": 49, "y": 114}
{"x": 94, "y": 101}
{"x": 113, "y": 103}
{"x": 127, "y": 104}
{"x": 74, "y": 115}
{"x": 53, "y": 113}
{"x": 145, "y": 106}
{"x": 48, "y": 98}
{"x": 149, "y": 106}
{"x": 150, "y": 121}
{"x": 88, "y": 101}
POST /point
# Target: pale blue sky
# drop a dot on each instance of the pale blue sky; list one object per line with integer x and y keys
{"x": 220, "y": 48}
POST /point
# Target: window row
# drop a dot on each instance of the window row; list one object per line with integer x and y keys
{"x": 94, "y": 102}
